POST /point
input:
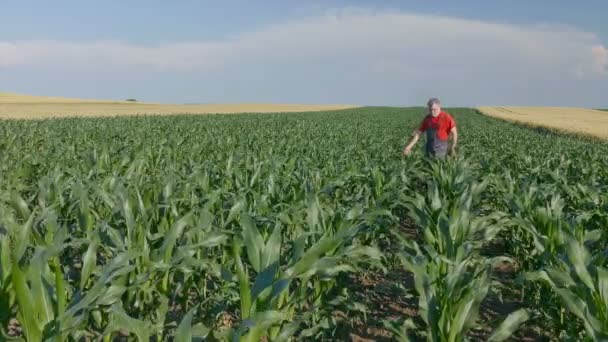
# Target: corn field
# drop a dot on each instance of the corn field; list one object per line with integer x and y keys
{"x": 258, "y": 228}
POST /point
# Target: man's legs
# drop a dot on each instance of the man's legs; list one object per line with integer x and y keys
{"x": 440, "y": 149}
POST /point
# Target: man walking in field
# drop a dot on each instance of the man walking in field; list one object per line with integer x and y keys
{"x": 439, "y": 127}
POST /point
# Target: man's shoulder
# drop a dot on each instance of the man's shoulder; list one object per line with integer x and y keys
{"x": 448, "y": 115}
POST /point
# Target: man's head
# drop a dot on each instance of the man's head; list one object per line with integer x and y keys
{"x": 434, "y": 106}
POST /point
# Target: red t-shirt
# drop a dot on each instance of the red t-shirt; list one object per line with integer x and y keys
{"x": 442, "y": 124}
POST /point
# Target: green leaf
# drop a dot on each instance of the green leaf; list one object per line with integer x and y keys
{"x": 540, "y": 276}
{"x": 128, "y": 214}
{"x": 243, "y": 278}
{"x": 579, "y": 257}
{"x": 264, "y": 320}
{"x": 314, "y": 253}
{"x": 400, "y": 329}
{"x": 200, "y": 331}
{"x": 89, "y": 262}
{"x": 5, "y": 258}
{"x": 171, "y": 237}
{"x": 120, "y": 321}
{"x": 560, "y": 277}
{"x": 225, "y": 274}
{"x": 27, "y": 309}
{"x": 461, "y": 317}
{"x": 22, "y": 238}
{"x": 112, "y": 294}
{"x": 20, "y": 205}
{"x": 184, "y": 330}
{"x": 287, "y": 331}
{"x": 236, "y": 209}
{"x": 264, "y": 279}
{"x": 573, "y": 303}
{"x": 593, "y": 236}
{"x": 602, "y": 276}
{"x": 213, "y": 240}
{"x": 509, "y": 325}
{"x": 278, "y": 287}
{"x": 313, "y": 212}
{"x": 254, "y": 243}
{"x": 43, "y": 302}
{"x": 272, "y": 250}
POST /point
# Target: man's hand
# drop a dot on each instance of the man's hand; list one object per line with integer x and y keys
{"x": 454, "y": 134}
{"x": 453, "y": 151}
{"x": 408, "y": 148}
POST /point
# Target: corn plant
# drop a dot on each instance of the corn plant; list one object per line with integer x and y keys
{"x": 451, "y": 277}
{"x": 162, "y": 227}
{"x": 450, "y": 295}
{"x": 272, "y": 305}
{"x": 581, "y": 282}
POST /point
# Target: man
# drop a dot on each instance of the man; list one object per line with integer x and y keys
{"x": 439, "y": 127}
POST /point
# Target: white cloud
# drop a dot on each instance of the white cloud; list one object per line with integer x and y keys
{"x": 393, "y": 46}
{"x": 600, "y": 58}
{"x": 109, "y": 54}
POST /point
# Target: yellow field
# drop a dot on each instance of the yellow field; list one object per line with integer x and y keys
{"x": 13, "y": 106}
{"x": 576, "y": 120}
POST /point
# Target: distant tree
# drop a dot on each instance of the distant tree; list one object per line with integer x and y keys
{"x": 131, "y": 100}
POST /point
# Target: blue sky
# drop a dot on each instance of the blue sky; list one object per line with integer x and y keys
{"x": 360, "y": 52}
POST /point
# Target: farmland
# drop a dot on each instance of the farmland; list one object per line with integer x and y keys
{"x": 278, "y": 226}
{"x": 590, "y": 122}
{"x": 16, "y": 106}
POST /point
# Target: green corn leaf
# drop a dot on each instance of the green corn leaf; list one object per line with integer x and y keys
{"x": 112, "y": 295}
{"x": 20, "y": 206}
{"x": 243, "y": 278}
{"x": 560, "y": 277}
{"x": 264, "y": 280}
{"x": 573, "y": 303}
{"x": 184, "y": 330}
{"x": 272, "y": 250}
{"x": 213, "y": 240}
{"x": 42, "y": 301}
{"x": 287, "y": 331}
{"x": 279, "y": 287}
{"x": 261, "y": 322}
{"x": 236, "y": 209}
{"x": 579, "y": 257}
{"x": 602, "y": 276}
{"x": 22, "y": 237}
{"x": 312, "y": 255}
{"x": 27, "y": 307}
{"x": 171, "y": 237}
{"x": 313, "y": 213}
{"x": 254, "y": 243}
{"x": 5, "y": 259}
{"x": 508, "y": 327}
{"x": 544, "y": 276}
{"x": 89, "y": 262}
{"x": 592, "y": 236}
{"x": 121, "y": 321}
{"x": 200, "y": 331}
{"x": 400, "y": 330}
{"x": 460, "y": 319}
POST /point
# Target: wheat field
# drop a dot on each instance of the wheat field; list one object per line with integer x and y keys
{"x": 15, "y": 106}
{"x": 590, "y": 122}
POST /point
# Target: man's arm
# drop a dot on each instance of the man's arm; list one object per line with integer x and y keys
{"x": 454, "y": 134}
{"x": 408, "y": 148}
